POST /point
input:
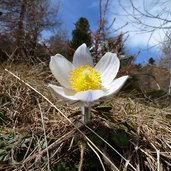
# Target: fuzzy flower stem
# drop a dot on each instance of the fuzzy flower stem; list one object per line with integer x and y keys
{"x": 86, "y": 113}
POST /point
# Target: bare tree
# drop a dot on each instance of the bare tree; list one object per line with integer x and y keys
{"x": 24, "y": 20}
{"x": 141, "y": 11}
{"x": 165, "y": 61}
{"x": 105, "y": 37}
{"x": 166, "y": 49}
{"x": 153, "y": 17}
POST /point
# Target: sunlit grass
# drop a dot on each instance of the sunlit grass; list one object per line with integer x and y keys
{"x": 138, "y": 129}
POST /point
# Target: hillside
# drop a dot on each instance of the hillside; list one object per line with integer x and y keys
{"x": 38, "y": 130}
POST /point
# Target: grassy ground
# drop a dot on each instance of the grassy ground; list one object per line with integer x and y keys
{"x": 40, "y": 132}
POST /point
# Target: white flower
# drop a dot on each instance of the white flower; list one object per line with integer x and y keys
{"x": 83, "y": 82}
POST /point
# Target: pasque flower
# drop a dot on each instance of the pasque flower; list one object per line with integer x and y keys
{"x": 83, "y": 82}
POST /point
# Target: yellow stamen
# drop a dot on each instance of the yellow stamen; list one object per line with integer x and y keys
{"x": 85, "y": 78}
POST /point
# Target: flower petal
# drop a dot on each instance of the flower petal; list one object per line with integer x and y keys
{"x": 61, "y": 68}
{"x": 108, "y": 66}
{"x": 116, "y": 85}
{"x": 65, "y": 94}
{"x": 90, "y": 95}
{"x": 82, "y": 56}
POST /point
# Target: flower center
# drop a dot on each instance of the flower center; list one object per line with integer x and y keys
{"x": 85, "y": 78}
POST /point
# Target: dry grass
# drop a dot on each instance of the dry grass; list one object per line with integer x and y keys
{"x": 137, "y": 132}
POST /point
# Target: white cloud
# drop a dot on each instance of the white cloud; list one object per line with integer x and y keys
{"x": 140, "y": 35}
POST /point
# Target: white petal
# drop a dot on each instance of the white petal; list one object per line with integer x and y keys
{"x": 82, "y": 56}
{"x": 90, "y": 95}
{"x": 63, "y": 93}
{"x": 116, "y": 85}
{"x": 61, "y": 68}
{"x": 108, "y": 66}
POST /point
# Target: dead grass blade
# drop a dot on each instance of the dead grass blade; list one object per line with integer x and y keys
{"x": 45, "y": 150}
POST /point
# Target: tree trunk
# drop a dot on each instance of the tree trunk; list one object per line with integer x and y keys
{"x": 20, "y": 31}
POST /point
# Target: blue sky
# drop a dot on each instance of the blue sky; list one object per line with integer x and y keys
{"x": 72, "y": 10}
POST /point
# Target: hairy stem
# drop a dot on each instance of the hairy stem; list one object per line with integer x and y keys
{"x": 86, "y": 114}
